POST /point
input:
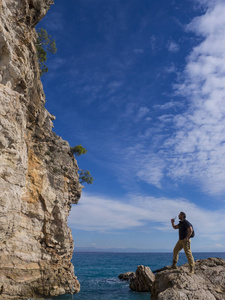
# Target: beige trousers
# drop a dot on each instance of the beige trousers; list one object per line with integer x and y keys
{"x": 186, "y": 245}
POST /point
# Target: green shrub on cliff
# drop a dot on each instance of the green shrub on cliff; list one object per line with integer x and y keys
{"x": 78, "y": 150}
{"x": 45, "y": 43}
{"x": 85, "y": 176}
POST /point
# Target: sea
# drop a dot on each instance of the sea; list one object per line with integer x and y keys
{"x": 98, "y": 273}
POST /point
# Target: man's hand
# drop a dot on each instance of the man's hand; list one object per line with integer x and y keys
{"x": 174, "y": 226}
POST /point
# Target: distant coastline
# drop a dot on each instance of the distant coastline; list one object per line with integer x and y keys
{"x": 129, "y": 250}
{"x": 117, "y": 250}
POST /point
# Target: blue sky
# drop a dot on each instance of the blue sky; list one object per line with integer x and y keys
{"x": 141, "y": 85}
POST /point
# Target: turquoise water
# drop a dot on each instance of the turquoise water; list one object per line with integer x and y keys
{"x": 98, "y": 273}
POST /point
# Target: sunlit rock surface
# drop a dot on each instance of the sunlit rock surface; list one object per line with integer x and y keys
{"x": 208, "y": 282}
{"x": 38, "y": 173}
{"x": 143, "y": 280}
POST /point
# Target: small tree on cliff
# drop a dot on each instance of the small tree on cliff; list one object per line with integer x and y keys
{"x": 45, "y": 43}
{"x": 84, "y": 175}
{"x": 78, "y": 150}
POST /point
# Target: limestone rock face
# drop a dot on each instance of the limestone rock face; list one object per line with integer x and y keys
{"x": 143, "y": 280}
{"x": 38, "y": 173}
{"x": 208, "y": 282}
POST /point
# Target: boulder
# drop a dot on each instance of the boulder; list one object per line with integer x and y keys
{"x": 126, "y": 276}
{"x": 208, "y": 282}
{"x": 143, "y": 280}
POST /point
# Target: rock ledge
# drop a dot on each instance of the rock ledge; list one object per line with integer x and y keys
{"x": 208, "y": 282}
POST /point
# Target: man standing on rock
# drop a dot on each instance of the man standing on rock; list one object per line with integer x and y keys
{"x": 184, "y": 242}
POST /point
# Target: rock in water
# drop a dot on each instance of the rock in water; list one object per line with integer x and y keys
{"x": 126, "y": 276}
{"x": 38, "y": 173}
{"x": 143, "y": 280}
{"x": 208, "y": 282}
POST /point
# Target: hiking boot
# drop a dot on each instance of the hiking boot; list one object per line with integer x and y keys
{"x": 174, "y": 266}
{"x": 192, "y": 270}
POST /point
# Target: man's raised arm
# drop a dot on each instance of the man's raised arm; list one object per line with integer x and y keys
{"x": 174, "y": 226}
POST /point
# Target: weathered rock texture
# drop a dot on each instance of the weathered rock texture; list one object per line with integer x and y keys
{"x": 38, "y": 174}
{"x": 208, "y": 282}
{"x": 143, "y": 280}
{"x": 126, "y": 276}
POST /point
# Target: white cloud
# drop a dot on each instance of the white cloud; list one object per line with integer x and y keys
{"x": 142, "y": 112}
{"x": 114, "y": 86}
{"x": 168, "y": 105}
{"x": 57, "y": 63}
{"x": 171, "y": 69}
{"x": 97, "y": 213}
{"x": 166, "y": 118}
{"x": 212, "y": 23}
{"x": 195, "y": 151}
{"x": 137, "y": 164}
{"x": 173, "y": 47}
{"x": 102, "y": 214}
{"x": 150, "y": 169}
{"x": 207, "y": 3}
{"x": 199, "y": 142}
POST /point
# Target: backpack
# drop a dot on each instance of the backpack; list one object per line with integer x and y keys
{"x": 193, "y": 233}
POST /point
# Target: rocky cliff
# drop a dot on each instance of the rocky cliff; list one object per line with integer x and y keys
{"x": 208, "y": 282}
{"x": 38, "y": 173}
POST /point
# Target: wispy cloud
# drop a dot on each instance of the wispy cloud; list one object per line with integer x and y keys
{"x": 195, "y": 151}
{"x": 55, "y": 23}
{"x": 153, "y": 43}
{"x": 171, "y": 69}
{"x": 114, "y": 86}
{"x": 206, "y": 3}
{"x": 151, "y": 169}
{"x": 199, "y": 142}
{"x": 142, "y": 112}
{"x": 169, "y": 105}
{"x": 99, "y": 213}
{"x": 57, "y": 63}
{"x": 189, "y": 146}
{"x": 94, "y": 213}
{"x": 138, "y": 51}
{"x": 173, "y": 47}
